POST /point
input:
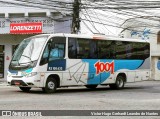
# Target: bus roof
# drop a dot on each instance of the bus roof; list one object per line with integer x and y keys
{"x": 95, "y": 37}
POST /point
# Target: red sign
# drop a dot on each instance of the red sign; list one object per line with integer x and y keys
{"x": 104, "y": 67}
{"x": 20, "y": 28}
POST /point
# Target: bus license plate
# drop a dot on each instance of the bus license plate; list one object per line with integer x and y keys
{"x": 17, "y": 83}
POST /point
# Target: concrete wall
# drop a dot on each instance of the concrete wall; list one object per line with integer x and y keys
{"x": 155, "y": 68}
{"x": 9, "y": 40}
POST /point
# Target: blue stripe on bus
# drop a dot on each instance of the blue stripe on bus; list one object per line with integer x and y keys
{"x": 118, "y": 64}
{"x": 16, "y": 72}
{"x": 13, "y": 71}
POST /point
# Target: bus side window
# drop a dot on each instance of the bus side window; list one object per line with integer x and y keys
{"x": 78, "y": 48}
{"x": 72, "y": 50}
{"x": 55, "y": 49}
{"x": 57, "y": 52}
{"x": 143, "y": 51}
{"x": 93, "y": 52}
{"x": 105, "y": 49}
{"x": 45, "y": 55}
{"x": 83, "y": 48}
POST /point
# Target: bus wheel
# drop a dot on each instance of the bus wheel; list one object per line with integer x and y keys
{"x": 119, "y": 84}
{"x": 51, "y": 85}
{"x": 25, "y": 89}
{"x": 91, "y": 86}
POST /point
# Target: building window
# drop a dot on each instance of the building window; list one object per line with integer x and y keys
{"x": 42, "y": 14}
{"x": 158, "y": 37}
{"x": 16, "y": 15}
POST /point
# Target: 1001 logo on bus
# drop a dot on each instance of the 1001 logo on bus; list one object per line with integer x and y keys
{"x": 104, "y": 67}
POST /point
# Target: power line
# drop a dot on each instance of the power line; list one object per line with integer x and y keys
{"x": 131, "y": 14}
{"x": 92, "y": 23}
{"x": 48, "y": 4}
{"x": 88, "y": 27}
{"x": 131, "y": 9}
{"x": 103, "y": 25}
{"x": 37, "y": 5}
{"x": 117, "y": 26}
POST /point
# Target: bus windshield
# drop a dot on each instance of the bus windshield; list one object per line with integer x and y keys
{"x": 28, "y": 51}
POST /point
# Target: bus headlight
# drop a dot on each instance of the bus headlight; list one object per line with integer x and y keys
{"x": 31, "y": 74}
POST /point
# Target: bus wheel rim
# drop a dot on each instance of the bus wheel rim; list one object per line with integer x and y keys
{"x": 120, "y": 82}
{"x": 51, "y": 85}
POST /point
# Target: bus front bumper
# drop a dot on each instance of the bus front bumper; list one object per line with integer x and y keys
{"x": 25, "y": 82}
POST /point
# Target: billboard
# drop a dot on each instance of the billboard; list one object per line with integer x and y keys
{"x": 26, "y": 28}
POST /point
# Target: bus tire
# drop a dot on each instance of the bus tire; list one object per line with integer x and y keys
{"x": 91, "y": 86}
{"x": 119, "y": 84}
{"x": 25, "y": 89}
{"x": 51, "y": 85}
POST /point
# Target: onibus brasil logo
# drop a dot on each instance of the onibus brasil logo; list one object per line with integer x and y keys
{"x": 104, "y": 67}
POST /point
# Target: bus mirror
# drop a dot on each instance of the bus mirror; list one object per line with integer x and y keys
{"x": 51, "y": 45}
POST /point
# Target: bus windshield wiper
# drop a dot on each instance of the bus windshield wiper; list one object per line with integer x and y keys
{"x": 16, "y": 61}
{"x": 27, "y": 57}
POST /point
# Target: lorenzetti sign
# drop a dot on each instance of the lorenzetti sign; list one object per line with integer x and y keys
{"x": 20, "y": 28}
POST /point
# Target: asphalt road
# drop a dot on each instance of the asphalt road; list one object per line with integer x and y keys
{"x": 135, "y": 96}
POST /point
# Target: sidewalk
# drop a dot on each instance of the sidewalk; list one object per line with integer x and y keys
{"x": 3, "y": 82}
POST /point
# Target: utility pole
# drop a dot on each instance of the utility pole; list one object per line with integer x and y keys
{"x": 76, "y": 20}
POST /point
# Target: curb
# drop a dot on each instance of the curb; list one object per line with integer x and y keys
{"x": 3, "y": 83}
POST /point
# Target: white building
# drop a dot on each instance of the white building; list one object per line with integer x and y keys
{"x": 18, "y": 22}
{"x": 146, "y": 28}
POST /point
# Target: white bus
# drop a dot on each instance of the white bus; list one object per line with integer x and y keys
{"x": 51, "y": 61}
